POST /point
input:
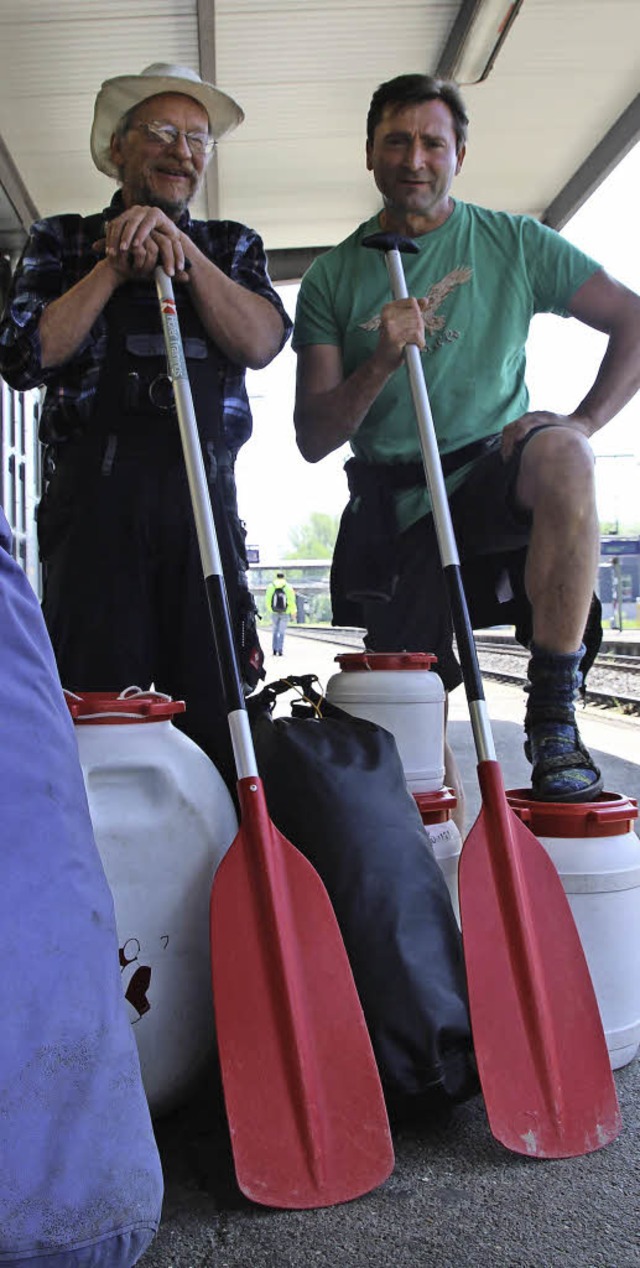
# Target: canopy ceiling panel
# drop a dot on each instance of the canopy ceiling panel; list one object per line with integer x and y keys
{"x": 296, "y": 168}
{"x": 304, "y": 72}
{"x": 54, "y": 55}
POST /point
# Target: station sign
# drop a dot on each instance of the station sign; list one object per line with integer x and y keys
{"x": 620, "y": 546}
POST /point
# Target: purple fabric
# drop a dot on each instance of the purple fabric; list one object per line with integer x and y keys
{"x": 80, "y": 1177}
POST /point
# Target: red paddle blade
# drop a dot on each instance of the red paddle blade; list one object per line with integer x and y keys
{"x": 306, "y": 1112}
{"x": 542, "y": 1057}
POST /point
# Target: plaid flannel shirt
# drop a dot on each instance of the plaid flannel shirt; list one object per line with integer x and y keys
{"x": 58, "y": 254}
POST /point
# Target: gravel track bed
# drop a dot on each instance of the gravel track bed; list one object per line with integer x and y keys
{"x": 603, "y": 679}
{"x": 606, "y": 682}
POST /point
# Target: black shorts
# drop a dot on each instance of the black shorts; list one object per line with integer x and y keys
{"x": 492, "y": 535}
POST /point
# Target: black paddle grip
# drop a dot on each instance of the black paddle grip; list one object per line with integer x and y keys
{"x": 233, "y": 694}
{"x": 391, "y": 242}
{"x": 464, "y": 634}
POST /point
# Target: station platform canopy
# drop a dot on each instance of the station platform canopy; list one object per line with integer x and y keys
{"x": 552, "y": 91}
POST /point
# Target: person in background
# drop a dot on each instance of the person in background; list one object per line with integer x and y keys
{"x": 124, "y": 599}
{"x": 521, "y": 482}
{"x": 280, "y": 604}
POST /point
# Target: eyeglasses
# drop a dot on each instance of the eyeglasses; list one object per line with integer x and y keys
{"x": 165, "y": 134}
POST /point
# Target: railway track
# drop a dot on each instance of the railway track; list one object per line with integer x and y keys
{"x": 613, "y": 682}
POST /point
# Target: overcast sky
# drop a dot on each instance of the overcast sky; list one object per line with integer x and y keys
{"x": 278, "y": 490}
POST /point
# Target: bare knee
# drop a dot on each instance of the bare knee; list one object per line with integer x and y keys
{"x": 557, "y": 470}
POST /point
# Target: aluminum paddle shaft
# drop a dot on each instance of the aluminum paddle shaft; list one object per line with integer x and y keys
{"x": 534, "y": 1014}
{"x": 241, "y": 741}
{"x": 307, "y": 1118}
{"x": 391, "y": 245}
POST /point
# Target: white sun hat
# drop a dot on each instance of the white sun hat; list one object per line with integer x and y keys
{"x": 119, "y": 95}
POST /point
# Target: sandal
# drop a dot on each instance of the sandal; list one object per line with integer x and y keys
{"x": 570, "y": 776}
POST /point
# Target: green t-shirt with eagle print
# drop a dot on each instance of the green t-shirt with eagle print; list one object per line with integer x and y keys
{"x": 484, "y": 274}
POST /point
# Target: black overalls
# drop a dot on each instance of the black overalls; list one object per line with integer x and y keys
{"x": 124, "y": 598}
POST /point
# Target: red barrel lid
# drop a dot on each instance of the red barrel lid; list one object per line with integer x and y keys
{"x": 436, "y": 807}
{"x": 607, "y": 816}
{"x": 113, "y": 707}
{"x": 366, "y": 661}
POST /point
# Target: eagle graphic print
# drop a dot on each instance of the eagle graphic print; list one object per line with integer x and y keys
{"x": 434, "y": 322}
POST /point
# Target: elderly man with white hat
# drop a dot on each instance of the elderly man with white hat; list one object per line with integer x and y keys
{"x": 123, "y": 600}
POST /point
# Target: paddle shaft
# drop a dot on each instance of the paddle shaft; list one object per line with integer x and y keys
{"x": 482, "y": 735}
{"x": 308, "y": 1123}
{"x": 243, "y": 751}
{"x": 534, "y": 1015}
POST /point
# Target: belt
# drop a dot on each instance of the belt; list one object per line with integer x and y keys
{"x": 406, "y": 475}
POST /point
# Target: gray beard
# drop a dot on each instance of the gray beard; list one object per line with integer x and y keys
{"x": 171, "y": 209}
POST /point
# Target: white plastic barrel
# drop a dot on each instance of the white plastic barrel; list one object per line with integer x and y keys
{"x": 442, "y": 834}
{"x": 163, "y": 819}
{"x": 597, "y": 854}
{"x": 402, "y": 693}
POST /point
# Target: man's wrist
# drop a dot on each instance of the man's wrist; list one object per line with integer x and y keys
{"x": 111, "y": 276}
{"x": 384, "y": 361}
{"x": 587, "y": 423}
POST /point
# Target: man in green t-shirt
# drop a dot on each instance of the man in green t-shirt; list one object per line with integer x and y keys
{"x": 521, "y": 483}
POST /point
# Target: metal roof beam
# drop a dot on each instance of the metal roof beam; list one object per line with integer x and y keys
{"x": 206, "y": 12}
{"x": 478, "y": 33}
{"x": 17, "y": 209}
{"x": 288, "y": 264}
{"x": 613, "y": 147}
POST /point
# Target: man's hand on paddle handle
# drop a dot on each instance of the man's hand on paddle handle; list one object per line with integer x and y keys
{"x": 140, "y": 239}
{"x": 401, "y": 323}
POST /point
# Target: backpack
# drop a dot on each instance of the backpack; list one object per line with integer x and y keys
{"x": 279, "y": 600}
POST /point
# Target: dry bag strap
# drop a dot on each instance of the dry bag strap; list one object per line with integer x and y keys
{"x": 302, "y": 684}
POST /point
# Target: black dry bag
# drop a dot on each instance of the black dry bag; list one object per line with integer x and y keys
{"x": 335, "y": 787}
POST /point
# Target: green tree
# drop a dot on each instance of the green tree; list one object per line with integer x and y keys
{"x": 316, "y": 538}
